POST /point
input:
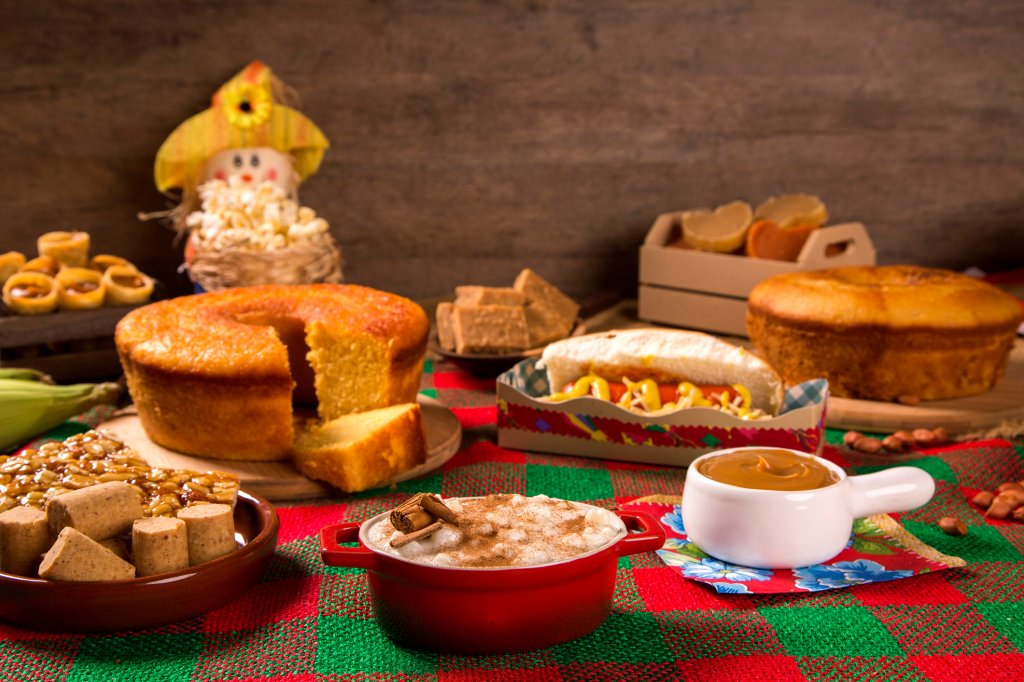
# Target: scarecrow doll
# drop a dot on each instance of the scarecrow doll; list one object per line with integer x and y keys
{"x": 238, "y": 166}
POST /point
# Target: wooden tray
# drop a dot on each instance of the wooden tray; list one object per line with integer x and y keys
{"x": 1004, "y": 403}
{"x": 280, "y": 480}
{"x": 704, "y": 290}
{"x": 69, "y": 345}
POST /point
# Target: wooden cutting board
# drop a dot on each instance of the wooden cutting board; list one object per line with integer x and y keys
{"x": 280, "y": 480}
{"x": 1004, "y": 403}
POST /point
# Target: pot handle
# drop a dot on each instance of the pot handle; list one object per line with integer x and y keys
{"x": 333, "y": 554}
{"x": 650, "y": 537}
{"x": 898, "y": 489}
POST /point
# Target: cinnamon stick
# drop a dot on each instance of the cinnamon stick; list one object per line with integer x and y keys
{"x": 435, "y": 506}
{"x": 410, "y": 515}
{"x": 416, "y": 535}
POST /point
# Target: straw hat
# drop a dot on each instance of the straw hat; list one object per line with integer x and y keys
{"x": 247, "y": 111}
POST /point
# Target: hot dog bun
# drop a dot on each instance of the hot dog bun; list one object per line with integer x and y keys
{"x": 665, "y": 355}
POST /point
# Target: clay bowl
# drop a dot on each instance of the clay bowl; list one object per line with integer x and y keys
{"x": 494, "y": 610}
{"x": 107, "y": 606}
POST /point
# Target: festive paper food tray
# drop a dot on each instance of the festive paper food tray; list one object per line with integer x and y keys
{"x": 589, "y": 427}
{"x": 704, "y": 290}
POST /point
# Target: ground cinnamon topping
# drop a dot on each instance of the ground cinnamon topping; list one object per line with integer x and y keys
{"x": 494, "y": 531}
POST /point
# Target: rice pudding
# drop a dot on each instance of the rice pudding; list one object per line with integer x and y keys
{"x": 504, "y": 531}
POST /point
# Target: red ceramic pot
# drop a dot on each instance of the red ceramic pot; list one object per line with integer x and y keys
{"x": 477, "y": 611}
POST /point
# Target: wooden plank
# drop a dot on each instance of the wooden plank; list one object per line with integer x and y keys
{"x": 473, "y": 138}
{"x": 26, "y": 330}
{"x": 68, "y": 368}
{"x": 693, "y": 310}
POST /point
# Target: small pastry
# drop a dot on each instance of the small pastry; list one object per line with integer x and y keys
{"x": 70, "y": 248}
{"x": 44, "y": 264}
{"x": 30, "y": 293}
{"x": 80, "y": 288}
{"x": 126, "y": 285}
{"x": 102, "y": 261}
{"x": 9, "y": 264}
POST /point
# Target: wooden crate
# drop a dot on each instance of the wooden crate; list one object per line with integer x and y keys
{"x": 70, "y": 346}
{"x": 708, "y": 291}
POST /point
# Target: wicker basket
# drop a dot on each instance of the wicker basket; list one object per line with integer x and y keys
{"x": 306, "y": 264}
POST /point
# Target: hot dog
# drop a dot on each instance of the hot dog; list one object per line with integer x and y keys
{"x": 655, "y": 371}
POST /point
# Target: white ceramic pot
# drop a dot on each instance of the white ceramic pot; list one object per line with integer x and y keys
{"x": 788, "y": 529}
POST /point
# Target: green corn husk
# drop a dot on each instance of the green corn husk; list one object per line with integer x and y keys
{"x": 25, "y": 373}
{"x": 29, "y": 408}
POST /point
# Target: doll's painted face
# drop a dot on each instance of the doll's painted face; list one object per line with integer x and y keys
{"x": 253, "y": 165}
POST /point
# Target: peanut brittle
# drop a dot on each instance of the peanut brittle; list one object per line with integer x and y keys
{"x": 33, "y": 477}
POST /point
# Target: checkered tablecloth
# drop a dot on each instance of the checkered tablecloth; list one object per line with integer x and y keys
{"x": 305, "y": 621}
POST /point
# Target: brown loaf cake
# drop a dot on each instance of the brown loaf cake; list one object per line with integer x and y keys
{"x": 885, "y": 332}
{"x": 213, "y": 374}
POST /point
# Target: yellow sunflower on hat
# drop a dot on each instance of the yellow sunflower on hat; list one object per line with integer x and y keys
{"x": 246, "y": 105}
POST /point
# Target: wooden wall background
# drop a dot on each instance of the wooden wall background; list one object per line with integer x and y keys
{"x": 473, "y": 138}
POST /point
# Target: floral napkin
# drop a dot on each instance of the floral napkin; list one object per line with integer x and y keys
{"x": 879, "y": 549}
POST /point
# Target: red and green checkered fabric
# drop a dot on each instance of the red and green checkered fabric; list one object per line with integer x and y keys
{"x": 306, "y": 621}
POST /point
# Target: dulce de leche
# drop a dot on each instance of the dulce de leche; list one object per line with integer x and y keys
{"x": 768, "y": 469}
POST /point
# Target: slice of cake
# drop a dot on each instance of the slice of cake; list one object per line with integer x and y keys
{"x": 489, "y": 328}
{"x": 362, "y": 450}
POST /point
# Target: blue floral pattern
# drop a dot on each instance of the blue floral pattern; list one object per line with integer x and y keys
{"x": 856, "y": 565}
{"x": 674, "y": 519}
{"x": 673, "y": 557}
{"x": 714, "y": 568}
{"x": 843, "y": 574}
{"x": 731, "y": 588}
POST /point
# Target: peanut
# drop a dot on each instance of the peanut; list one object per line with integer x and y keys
{"x": 1014, "y": 498}
{"x": 869, "y": 445}
{"x": 1018, "y": 514}
{"x": 850, "y": 437}
{"x": 950, "y": 525}
{"x": 999, "y": 510}
{"x": 983, "y": 499}
{"x": 894, "y": 444}
{"x": 923, "y": 436}
{"x": 1009, "y": 485}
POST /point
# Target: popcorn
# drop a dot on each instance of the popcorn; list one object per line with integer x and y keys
{"x": 239, "y": 217}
